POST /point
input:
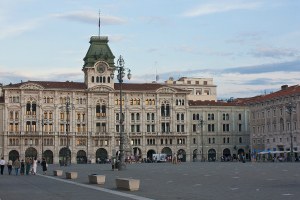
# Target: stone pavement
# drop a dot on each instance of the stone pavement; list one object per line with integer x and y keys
{"x": 220, "y": 180}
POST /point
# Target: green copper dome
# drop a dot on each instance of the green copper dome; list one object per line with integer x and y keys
{"x": 98, "y": 51}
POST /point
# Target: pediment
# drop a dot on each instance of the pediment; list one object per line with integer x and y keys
{"x": 166, "y": 90}
{"x": 31, "y": 86}
{"x": 101, "y": 88}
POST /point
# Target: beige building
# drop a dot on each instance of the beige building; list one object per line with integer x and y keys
{"x": 202, "y": 89}
{"x": 82, "y": 119}
{"x": 274, "y": 121}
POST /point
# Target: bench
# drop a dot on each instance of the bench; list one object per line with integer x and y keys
{"x": 57, "y": 173}
{"x": 71, "y": 175}
{"x": 128, "y": 184}
{"x": 96, "y": 179}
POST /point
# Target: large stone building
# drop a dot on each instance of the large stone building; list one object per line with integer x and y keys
{"x": 82, "y": 119}
{"x": 274, "y": 121}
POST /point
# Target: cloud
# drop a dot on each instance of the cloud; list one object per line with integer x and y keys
{"x": 221, "y": 6}
{"x": 90, "y": 17}
{"x": 292, "y": 66}
{"x": 272, "y": 52}
{"x": 18, "y": 29}
{"x": 246, "y": 37}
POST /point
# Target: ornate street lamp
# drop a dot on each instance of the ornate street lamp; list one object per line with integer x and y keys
{"x": 67, "y": 128}
{"x": 68, "y": 106}
{"x": 200, "y": 125}
{"x": 290, "y": 108}
{"x": 120, "y": 75}
{"x": 42, "y": 136}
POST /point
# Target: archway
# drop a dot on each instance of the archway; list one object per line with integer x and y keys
{"x": 226, "y": 154}
{"x": 195, "y": 155}
{"x": 241, "y": 153}
{"x": 137, "y": 153}
{"x": 211, "y": 155}
{"x": 31, "y": 153}
{"x": 48, "y": 155}
{"x": 101, "y": 155}
{"x": 81, "y": 157}
{"x": 150, "y": 155}
{"x": 168, "y": 151}
{"x": 13, "y": 155}
{"x": 65, "y": 156}
{"x": 181, "y": 155}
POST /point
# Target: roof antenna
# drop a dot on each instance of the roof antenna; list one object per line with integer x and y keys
{"x": 99, "y": 24}
{"x": 156, "y": 75}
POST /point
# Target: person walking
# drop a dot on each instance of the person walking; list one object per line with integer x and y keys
{"x": 44, "y": 166}
{"x": 17, "y": 166}
{"x": 34, "y": 166}
{"x": 2, "y": 164}
{"x": 28, "y": 165}
{"x": 22, "y": 171}
{"x": 9, "y": 166}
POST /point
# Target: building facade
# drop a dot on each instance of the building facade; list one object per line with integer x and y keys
{"x": 274, "y": 121}
{"x": 81, "y": 120}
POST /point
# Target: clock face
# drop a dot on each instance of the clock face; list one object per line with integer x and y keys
{"x": 100, "y": 68}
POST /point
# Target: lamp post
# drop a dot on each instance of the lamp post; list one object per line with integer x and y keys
{"x": 120, "y": 75}
{"x": 201, "y": 122}
{"x": 42, "y": 136}
{"x": 67, "y": 128}
{"x": 290, "y": 108}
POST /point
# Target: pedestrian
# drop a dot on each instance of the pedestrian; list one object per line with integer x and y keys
{"x": 44, "y": 166}
{"x": 34, "y": 166}
{"x": 2, "y": 164}
{"x": 28, "y": 165}
{"x": 22, "y": 167}
{"x": 174, "y": 159}
{"x": 17, "y": 166}
{"x": 9, "y": 166}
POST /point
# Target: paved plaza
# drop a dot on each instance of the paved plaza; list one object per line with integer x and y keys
{"x": 220, "y": 180}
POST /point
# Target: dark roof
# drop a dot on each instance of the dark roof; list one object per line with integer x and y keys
{"x": 144, "y": 87}
{"x": 214, "y": 103}
{"x": 288, "y": 91}
{"x": 51, "y": 85}
{"x": 82, "y": 86}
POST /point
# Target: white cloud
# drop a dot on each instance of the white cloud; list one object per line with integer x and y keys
{"x": 90, "y": 17}
{"x": 18, "y": 29}
{"x": 221, "y": 6}
{"x": 273, "y": 52}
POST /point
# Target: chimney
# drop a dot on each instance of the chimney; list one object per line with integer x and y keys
{"x": 283, "y": 87}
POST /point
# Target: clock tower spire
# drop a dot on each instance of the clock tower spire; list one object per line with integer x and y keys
{"x": 98, "y": 63}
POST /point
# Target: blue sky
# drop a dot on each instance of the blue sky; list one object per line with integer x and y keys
{"x": 249, "y": 47}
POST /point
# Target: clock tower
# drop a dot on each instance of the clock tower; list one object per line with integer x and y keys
{"x": 98, "y": 63}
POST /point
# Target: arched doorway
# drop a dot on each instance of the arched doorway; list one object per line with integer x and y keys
{"x": 241, "y": 153}
{"x": 211, "y": 155}
{"x": 226, "y": 155}
{"x": 101, "y": 155}
{"x": 168, "y": 151}
{"x": 81, "y": 157}
{"x": 195, "y": 155}
{"x": 13, "y": 155}
{"x": 48, "y": 155}
{"x": 64, "y": 156}
{"x": 31, "y": 153}
{"x": 137, "y": 153}
{"x": 181, "y": 155}
{"x": 150, "y": 155}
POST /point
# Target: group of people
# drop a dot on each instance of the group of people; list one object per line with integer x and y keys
{"x": 27, "y": 166}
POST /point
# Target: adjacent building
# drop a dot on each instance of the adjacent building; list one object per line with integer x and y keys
{"x": 274, "y": 121}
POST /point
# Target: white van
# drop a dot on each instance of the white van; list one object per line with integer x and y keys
{"x": 160, "y": 157}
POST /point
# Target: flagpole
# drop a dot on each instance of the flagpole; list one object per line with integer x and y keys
{"x": 99, "y": 24}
